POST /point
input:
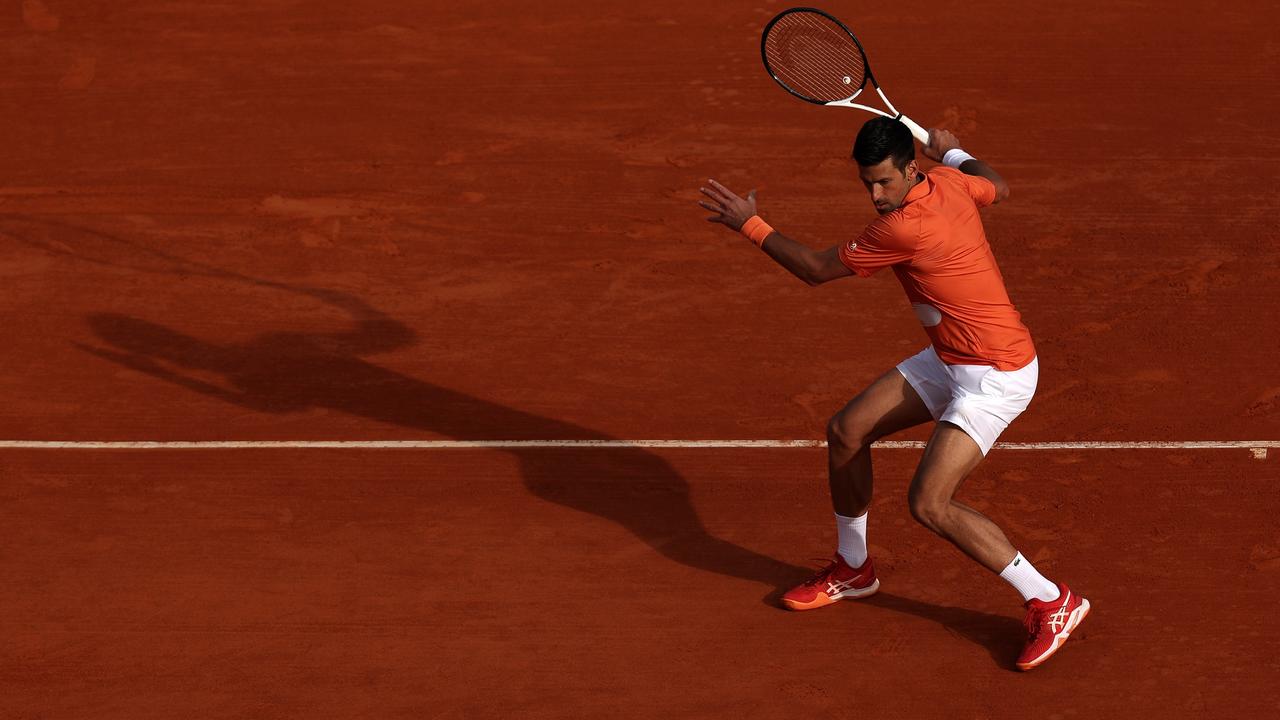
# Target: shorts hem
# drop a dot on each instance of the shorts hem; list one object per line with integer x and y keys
{"x": 920, "y": 393}
{"x": 968, "y": 429}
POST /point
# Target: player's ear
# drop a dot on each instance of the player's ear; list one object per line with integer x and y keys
{"x": 911, "y": 169}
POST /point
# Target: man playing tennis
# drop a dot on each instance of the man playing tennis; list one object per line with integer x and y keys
{"x": 978, "y": 374}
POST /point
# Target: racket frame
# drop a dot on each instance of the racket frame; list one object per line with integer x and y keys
{"x": 916, "y": 129}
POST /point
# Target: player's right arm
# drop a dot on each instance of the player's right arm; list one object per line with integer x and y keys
{"x": 733, "y": 211}
{"x": 942, "y": 141}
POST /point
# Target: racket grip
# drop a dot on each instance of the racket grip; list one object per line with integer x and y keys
{"x": 919, "y": 132}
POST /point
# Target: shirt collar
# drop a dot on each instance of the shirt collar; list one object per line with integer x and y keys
{"x": 921, "y": 189}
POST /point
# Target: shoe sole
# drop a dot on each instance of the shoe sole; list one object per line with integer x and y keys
{"x": 1073, "y": 621}
{"x": 824, "y": 599}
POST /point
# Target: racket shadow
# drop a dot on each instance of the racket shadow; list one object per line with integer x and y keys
{"x": 285, "y": 372}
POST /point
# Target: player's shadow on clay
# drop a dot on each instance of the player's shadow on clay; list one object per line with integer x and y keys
{"x": 282, "y": 372}
{"x": 1002, "y": 636}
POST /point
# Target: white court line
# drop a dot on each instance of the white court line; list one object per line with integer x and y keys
{"x": 1257, "y": 447}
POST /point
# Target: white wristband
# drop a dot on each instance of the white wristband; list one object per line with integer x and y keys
{"x": 955, "y": 157}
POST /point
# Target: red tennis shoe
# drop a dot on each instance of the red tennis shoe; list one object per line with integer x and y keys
{"x": 836, "y": 581}
{"x": 1049, "y": 624}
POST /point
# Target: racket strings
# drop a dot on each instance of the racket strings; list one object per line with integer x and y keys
{"x": 815, "y": 57}
{"x": 821, "y": 58}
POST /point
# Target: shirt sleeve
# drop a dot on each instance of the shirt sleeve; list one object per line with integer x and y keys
{"x": 982, "y": 190}
{"x": 879, "y": 246}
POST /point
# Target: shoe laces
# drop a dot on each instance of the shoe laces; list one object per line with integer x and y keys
{"x": 1034, "y": 622}
{"x": 1039, "y": 620}
{"x": 828, "y": 565}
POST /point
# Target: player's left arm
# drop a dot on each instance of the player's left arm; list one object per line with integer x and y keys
{"x": 812, "y": 266}
{"x": 943, "y": 141}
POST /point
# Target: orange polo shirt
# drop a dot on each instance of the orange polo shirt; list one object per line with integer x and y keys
{"x": 936, "y": 246}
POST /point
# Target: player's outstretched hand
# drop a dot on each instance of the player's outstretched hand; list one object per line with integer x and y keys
{"x": 940, "y": 141}
{"x": 729, "y": 208}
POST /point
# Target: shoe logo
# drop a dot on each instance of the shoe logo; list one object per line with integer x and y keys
{"x": 1058, "y": 619}
{"x": 841, "y": 586}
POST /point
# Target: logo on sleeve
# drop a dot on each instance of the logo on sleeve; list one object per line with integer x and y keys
{"x": 853, "y": 245}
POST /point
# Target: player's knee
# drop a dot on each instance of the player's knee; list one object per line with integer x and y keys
{"x": 928, "y": 512}
{"x": 849, "y": 431}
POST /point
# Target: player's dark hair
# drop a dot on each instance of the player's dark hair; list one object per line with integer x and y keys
{"x": 883, "y": 137}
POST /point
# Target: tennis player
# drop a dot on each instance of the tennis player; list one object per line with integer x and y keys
{"x": 978, "y": 374}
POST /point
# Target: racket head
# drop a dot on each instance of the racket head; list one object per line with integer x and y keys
{"x": 814, "y": 56}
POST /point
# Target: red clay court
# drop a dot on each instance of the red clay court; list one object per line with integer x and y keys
{"x": 411, "y": 222}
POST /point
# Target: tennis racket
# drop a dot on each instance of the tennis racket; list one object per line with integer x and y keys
{"x": 817, "y": 58}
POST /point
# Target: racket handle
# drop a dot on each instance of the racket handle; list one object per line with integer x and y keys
{"x": 920, "y": 133}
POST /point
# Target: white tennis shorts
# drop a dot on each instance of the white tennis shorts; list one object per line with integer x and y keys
{"x": 980, "y": 399}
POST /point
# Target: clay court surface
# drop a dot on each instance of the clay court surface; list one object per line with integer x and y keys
{"x": 390, "y": 221}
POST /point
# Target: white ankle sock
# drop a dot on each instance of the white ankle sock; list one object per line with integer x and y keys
{"x": 853, "y": 538}
{"x": 1028, "y": 581}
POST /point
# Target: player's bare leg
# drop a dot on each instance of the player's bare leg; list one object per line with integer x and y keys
{"x": 948, "y": 459}
{"x": 1053, "y": 610}
{"x": 887, "y": 406}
